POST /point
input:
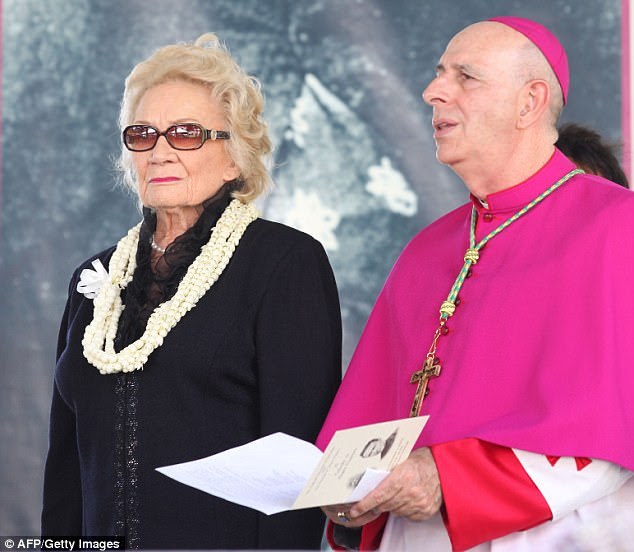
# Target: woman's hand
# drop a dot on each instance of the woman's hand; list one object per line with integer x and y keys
{"x": 411, "y": 491}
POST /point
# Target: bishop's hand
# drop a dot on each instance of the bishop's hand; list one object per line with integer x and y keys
{"x": 340, "y": 514}
{"x": 411, "y": 491}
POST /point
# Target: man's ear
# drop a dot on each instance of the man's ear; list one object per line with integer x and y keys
{"x": 534, "y": 100}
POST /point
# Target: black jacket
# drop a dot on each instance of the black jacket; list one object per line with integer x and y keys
{"x": 260, "y": 353}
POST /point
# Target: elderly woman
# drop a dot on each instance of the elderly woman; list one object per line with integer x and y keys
{"x": 211, "y": 328}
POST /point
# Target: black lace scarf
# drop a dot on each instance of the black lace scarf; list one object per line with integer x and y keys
{"x": 151, "y": 286}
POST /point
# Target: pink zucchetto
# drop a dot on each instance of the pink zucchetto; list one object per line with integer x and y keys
{"x": 546, "y": 42}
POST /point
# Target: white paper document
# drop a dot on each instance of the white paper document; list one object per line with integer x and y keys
{"x": 278, "y": 472}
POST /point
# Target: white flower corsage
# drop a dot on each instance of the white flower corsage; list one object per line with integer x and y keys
{"x": 90, "y": 281}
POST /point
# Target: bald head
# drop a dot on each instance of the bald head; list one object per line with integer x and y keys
{"x": 534, "y": 66}
{"x": 547, "y": 43}
{"x": 526, "y": 61}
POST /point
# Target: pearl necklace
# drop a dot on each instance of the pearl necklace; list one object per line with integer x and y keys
{"x": 156, "y": 246}
{"x": 214, "y": 256}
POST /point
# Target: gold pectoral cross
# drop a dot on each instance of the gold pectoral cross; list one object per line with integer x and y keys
{"x": 430, "y": 368}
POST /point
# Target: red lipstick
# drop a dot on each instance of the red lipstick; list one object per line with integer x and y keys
{"x": 158, "y": 180}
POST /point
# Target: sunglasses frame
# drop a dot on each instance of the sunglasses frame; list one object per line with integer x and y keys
{"x": 206, "y": 134}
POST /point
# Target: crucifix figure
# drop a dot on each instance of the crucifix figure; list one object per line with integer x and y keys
{"x": 429, "y": 369}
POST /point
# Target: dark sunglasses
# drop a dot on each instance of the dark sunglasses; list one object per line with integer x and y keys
{"x": 183, "y": 136}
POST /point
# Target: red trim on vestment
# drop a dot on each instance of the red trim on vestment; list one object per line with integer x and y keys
{"x": 582, "y": 462}
{"x": 371, "y": 534}
{"x": 579, "y": 460}
{"x": 330, "y": 526}
{"x": 486, "y": 492}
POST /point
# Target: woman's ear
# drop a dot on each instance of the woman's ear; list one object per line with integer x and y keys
{"x": 231, "y": 172}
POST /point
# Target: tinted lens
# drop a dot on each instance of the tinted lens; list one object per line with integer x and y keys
{"x": 140, "y": 137}
{"x": 185, "y": 136}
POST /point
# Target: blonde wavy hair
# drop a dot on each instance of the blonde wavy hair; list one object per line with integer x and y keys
{"x": 207, "y": 62}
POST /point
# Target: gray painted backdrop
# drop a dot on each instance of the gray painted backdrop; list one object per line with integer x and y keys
{"x": 355, "y": 161}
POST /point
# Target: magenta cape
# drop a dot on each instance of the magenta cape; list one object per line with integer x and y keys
{"x": 540, "y": 352}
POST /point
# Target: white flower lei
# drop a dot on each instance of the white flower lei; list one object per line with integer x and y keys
{"x": 99, "y": 336}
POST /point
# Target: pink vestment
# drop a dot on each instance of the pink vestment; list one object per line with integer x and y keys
{"x": 540, "y": 352}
